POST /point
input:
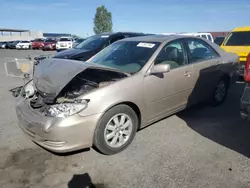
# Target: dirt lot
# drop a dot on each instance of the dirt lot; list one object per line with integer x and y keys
{"x": 200, "y": 147}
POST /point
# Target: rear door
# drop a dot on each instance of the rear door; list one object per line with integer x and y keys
{"x": 205, "y": 61}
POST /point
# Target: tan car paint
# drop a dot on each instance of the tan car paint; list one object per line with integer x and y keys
{"x": 154, "y": 96}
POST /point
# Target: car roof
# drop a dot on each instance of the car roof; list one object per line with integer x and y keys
{"x": 120, "y": 33}
{"x": 245, "y": 28}
{"x": 157, "y": 38}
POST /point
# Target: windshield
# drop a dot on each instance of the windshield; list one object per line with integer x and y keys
{"x": 38, "y": 40}
{"x": 24, "y": 42}
{"x": 238, "y": 39}
{"x": 79, "y": 40}
{"x": 93, "y": 42}
{"x": 49, "y": 40}
{"x": 126, "y": 56}
{"x": 65, "y": 39}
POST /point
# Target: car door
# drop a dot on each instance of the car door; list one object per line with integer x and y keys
{"x": 205, "y": 61}
{"x": 169, "y": 92}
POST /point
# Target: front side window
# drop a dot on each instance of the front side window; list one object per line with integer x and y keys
{"x": 172, "y": 54}
{"x": 126, "y": 56}
{"x": 238, "y": 39}
{"x": 200, "y": 50}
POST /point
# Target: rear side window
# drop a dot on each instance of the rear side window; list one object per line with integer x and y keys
{"x": 209, "y": 37}
{"x": 204, "y": 36}
{"x": 200, "y": 50}
{"x": 238, "y": 39}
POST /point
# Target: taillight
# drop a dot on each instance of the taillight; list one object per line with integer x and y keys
{"x": 247, "y": 69}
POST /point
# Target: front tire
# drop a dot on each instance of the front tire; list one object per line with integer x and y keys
{"x": 220, "y": 92}
{"x": 116, "y": 130}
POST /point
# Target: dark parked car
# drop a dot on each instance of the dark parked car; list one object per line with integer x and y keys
{"x": 3, "y": 44}
{"x": 13, "y": 44}
{"x": 219, "y": 40}
{"x": 49, "y": 44}
{"x": 93, "y": 45}
{"x": 78, "y": 41}
{"x": 245, "y": 99}
{"x": 7, "y": 45}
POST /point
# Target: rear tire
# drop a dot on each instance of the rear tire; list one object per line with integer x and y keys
{"x": 220, "y": 91}
{"x": 116, "y": 130}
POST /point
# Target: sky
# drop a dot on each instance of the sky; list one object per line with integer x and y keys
{"x": 149, "y": 16}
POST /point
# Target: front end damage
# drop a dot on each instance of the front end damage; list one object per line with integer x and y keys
{"x": 51, "y": 104}
{"x": 48, "y": 106}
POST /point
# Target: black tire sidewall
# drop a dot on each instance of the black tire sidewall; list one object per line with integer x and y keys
{"x": 99, "y": 141}
{"x": 215, "y": 102}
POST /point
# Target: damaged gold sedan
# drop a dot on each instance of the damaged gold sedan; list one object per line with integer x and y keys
{"x": 70, "y": 105}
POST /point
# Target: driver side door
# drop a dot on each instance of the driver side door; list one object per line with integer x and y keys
{"x": 168, "y": 92}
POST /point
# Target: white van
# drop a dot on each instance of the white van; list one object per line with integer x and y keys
{"x": 207, "y": 36}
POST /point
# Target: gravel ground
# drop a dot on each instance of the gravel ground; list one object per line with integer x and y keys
{"x": 200, "y": 147}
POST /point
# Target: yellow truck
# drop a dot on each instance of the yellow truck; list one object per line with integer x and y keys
{"x": 238, "y": 41}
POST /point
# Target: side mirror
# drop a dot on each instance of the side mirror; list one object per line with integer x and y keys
{"x": 160, "y": 68}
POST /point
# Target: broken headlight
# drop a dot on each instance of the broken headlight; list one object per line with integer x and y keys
{"x": 66, "y": 109}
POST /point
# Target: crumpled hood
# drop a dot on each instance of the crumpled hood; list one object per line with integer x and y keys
{"x": 51, "y": 76}
{"x": 71, "y": 53}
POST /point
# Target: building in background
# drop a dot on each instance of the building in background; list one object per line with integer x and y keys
{"x": 7, "y": 34}
{"x": 18, "y": 34}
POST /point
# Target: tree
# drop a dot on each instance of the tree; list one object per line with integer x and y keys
{"x": 102, "y": 20}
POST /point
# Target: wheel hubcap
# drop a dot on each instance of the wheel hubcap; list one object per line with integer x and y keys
{"x": 220, "y": 91}
{"x": 118, "y": 130}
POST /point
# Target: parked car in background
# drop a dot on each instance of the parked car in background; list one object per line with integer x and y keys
{"x": 238, "y": 41}
{"x": 13, "y": 44}
{"x": 219, "y": 40}
{"x": 38, "y": 43}
{"x": 25, "y": 44}
{"x": 71, "y": 105}
{"x": 49, "y": 44}
{"x": 207, "y": 36}
{"x": 7, "y": 45}
{"x": 78, "y": 41}
{"x": 245, "y": 99}
{"x": 93, "y": 45}
{"x": 64, "y": 43}
{"x": 3, "y": 44}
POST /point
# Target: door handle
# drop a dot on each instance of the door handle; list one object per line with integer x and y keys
{"x": 187, "y": 74}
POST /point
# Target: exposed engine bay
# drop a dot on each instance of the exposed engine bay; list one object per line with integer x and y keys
{"x": 85, "y": 81}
